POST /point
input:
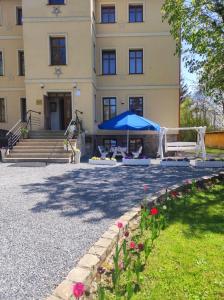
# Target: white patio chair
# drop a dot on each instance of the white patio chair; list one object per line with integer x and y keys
{"x": 137, "y": 153}
{"x": 103, "y": 152}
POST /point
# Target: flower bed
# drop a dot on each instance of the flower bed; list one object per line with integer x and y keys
{"x": 209, "y": 163}
{"x": 169, "y": 162}
{"x": 114, "y": 265}
{"x": 136, "y": 162}
{"x": 106, "y": 161}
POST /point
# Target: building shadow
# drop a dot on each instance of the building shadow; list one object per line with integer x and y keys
{"x": 98, "y": 193}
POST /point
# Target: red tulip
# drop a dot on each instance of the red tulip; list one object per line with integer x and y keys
{"x": 154, "y": 211}
{"x": 140, "y": 247}
{"x": 132, "y": 245}
{"x": 78, "y": 290}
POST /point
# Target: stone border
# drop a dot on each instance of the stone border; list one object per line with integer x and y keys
{"x": 86, "y": 269}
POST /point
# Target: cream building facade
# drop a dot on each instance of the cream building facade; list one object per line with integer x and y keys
{"x": 100, "y": 57}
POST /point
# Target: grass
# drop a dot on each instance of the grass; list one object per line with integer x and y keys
{"x": 188, "y": 259}
{"x": 215, "y": 151}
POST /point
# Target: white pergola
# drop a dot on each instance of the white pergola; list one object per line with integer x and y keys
{"x": 198, "y": 147}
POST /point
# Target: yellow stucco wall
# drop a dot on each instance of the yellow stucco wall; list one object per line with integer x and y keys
{"x": 12, "y": 86}
{"x": 79, "y": 22}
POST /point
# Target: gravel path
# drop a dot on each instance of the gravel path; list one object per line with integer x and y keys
{"x": 51, "y": 215}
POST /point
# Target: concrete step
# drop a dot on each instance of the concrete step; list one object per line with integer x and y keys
{"x": 47, "y": 137}
{"x": 39, "y": 150}
{"x": 38, "y": 155}
{"x": 44, "y": 160}
{"x": 47, "y": 132}
{"x": 44, "y": 140}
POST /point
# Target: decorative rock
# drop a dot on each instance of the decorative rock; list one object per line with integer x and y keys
{"x": 110, "y": 235}
{"x": 52, "y": 297}
{"x": 64, "y": 290}
{"x": 100, "y": 252}
{"x": 104, "y": 243}
{"x": 79, "y": 275}
{"x": 89, "y": 261}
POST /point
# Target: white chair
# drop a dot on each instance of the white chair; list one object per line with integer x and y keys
{"x": 103, "y": 152}
{"x": 137, "y": 153}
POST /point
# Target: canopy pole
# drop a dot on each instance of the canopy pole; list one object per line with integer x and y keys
{"x": 128, "y": 141}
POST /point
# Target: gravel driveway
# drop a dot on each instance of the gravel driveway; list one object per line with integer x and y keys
{"x": 51, "y": 215}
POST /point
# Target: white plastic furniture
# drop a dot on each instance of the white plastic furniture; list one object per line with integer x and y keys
{"x": 103, "y": 152}
{"x": 137, "y": 153}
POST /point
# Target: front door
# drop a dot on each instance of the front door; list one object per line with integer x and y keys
{"x": 58, "y": 111}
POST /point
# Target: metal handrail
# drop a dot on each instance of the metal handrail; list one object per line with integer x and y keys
{"x": 15, "y": 132}
{"x": 11, "y": 130}
{"x": 69, "y": 134}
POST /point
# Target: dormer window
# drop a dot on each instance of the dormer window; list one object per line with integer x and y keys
{"x": 56, "y": 2}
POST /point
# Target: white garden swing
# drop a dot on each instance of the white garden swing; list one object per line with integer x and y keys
{"x": 198, "y": 147}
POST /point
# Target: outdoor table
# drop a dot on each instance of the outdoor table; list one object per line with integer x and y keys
{"x": 118, "y": 151}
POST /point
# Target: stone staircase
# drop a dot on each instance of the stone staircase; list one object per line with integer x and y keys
{"x": 41, "y": 146}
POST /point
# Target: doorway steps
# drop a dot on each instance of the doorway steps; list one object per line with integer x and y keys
{"x": 41, "y": 146}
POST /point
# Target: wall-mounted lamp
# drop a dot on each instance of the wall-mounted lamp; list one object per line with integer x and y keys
{"x": 74, "y": 85}
{"x": 42, "y": 86}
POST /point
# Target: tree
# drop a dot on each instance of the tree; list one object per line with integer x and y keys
{"x": 198, "y": 29}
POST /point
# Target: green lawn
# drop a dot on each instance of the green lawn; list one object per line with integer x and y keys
{"x": 188, "y": 259}
{"x": 215, "y": 151}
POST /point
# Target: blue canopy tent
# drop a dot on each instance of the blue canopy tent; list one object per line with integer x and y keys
{"x": 129, "y": 121}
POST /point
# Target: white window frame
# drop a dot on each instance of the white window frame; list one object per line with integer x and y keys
{"x": 5, "y": 102}
{"x": 101, "y": 61}
{"x": 100, "y": 12}
{"x": 52, "y": 35}
{"x": 3, "y": 63}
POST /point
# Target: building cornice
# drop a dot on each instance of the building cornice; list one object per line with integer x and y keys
{"x": 56, "y": 19}
{"x": 11, "y": 89}
{"x": 11, "y": 37}
{"x": 133, "y": 34}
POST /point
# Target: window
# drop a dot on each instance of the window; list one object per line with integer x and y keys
{"x": 58, "y": 51}
{"x": 135, "y": 144}
{"x": 107, "y": 14}
{"x": 136, "y": 105}
{"x": 21, "y": 63}
{"x": 136, "y": 61}
{"x": 2, "y": 110}
{"x": 56, "y": 2}
{"x": 1, "y": 64}
{"x": 109, "y": 143}
{"x": 135, "y": 13}
{"x": 23, "y": 109}
{"x": 108, "y": 62}
{"x": 19, "y": 16}
{"x": 109, "y": 108}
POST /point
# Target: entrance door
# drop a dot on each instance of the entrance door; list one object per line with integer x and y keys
{"x": 58, "y": 111}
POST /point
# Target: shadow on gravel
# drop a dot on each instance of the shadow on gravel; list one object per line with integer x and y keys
{"x": 105, "y": 192}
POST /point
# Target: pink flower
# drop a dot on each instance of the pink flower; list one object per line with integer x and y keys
{"x": 146, "y": 187}
{"x": 78, "y": 290}
{"x": 132, "y": 245}
{"x": 120, "y": 224}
